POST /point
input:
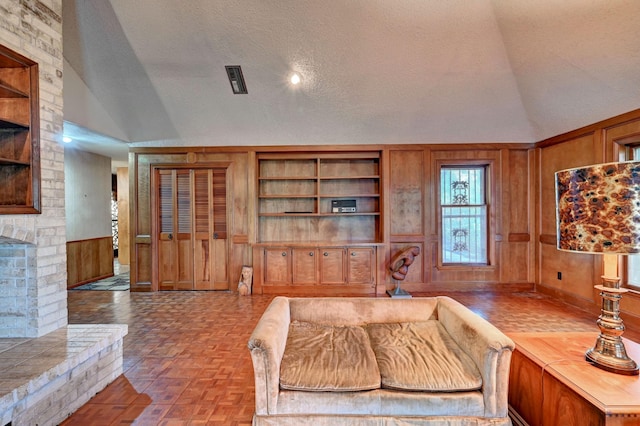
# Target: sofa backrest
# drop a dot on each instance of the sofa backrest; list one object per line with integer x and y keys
{"x": 362, "y": 310}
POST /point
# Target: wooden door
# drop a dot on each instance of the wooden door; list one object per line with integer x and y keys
{"x": 360, "y": 269}
{"x": 210, "y": 230}
{"x": 332, "y": 266}
{"x": 174, "y": 239}
{"x": 304, "y": 265}
{"x": 192, "y": 229}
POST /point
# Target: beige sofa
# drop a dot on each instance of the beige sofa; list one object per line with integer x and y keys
{"x": 312, "y": 363}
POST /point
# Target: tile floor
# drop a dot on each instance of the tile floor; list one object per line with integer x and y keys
{"x": 186, "y": 360}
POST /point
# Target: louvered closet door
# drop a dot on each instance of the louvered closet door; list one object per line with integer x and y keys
{"x": 175, "y": 245}
{"x": 192, "y": 237}
{"x": 210, "y": 250}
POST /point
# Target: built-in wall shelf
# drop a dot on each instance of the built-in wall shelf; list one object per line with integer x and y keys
{"x": 300, "y": 191}
{"x": 19, "y": 134}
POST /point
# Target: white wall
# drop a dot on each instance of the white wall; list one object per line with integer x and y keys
{"x": 87, "y": 188}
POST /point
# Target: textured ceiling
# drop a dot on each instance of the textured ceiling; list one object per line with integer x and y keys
{"x": 373, "y": 71}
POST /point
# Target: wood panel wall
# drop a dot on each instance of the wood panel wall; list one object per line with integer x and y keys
{"x": 597, "y": 143}
{"x": 240, "y": 202}
{"x": 89, "y": 260}
{"x": 123, "y": 215}
{"x": 408, "y": 213}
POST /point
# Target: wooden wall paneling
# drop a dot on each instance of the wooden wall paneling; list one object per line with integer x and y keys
{"x": 141, "y": 277}
{"x": 235, "y": 254}
{"x": 89, "y": 260}
{"x": 577, "y": 270}
{"x": 407, "y": 208}
{"x": 122, "y": 175}
{"x": 516, "y": 204}
{"x": 406, "y": 187}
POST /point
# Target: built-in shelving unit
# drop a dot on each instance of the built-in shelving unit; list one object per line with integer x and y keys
{"x": 19, "y": 134}
{"x": 318, "y": 222}
{"x": 297, "y": 192}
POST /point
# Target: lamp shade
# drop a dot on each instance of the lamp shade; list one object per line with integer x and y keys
{"x": 598, "y": 208}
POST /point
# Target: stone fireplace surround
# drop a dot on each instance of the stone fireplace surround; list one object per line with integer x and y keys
{"x": 47, "y": 367}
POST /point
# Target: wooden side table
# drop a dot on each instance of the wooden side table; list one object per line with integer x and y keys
{"x": 552, "y": 384}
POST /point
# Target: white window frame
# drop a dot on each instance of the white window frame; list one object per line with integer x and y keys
{"x": 486, "y": 166}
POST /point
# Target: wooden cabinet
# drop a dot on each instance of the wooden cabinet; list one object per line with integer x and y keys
{"x": 550, "y": 383}
{"x": 19, "y": 134}
{"x": 320, "y": 269}
{"x": 318, "y": 222}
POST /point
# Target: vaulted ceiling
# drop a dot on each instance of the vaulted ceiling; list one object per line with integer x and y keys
{"x": 151, "y": 72}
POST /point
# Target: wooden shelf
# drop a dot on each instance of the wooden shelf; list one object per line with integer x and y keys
{"x": 319, "y": 214}
{"x": 11, "y": 92}
{"x": 349, "y": 177}
{"x": 13, "y": 124}
{"x": 11, "y": 162}
{"x": 19, "y": 134}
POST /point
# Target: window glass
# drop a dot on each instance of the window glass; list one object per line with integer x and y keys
{"x": 464, "y": 215}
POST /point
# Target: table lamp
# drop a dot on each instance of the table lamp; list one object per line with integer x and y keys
{"x": 598, "y": 211}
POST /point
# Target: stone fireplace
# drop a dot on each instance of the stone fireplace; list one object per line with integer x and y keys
{"x": 30, "y": 305}
{"x": 33, "y": 298}
{"x": 33, "y": 258}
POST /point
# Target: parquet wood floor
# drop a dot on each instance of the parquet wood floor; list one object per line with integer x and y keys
{"x": 186, "y": 360}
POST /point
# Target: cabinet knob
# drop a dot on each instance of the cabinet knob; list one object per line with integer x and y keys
{"x": 310, "y": 253}
{"x": 353, "y": 253}
{"x": 284, "y": 253}
{"x": 326, "y": 254}
{"x": 170, "y": 236}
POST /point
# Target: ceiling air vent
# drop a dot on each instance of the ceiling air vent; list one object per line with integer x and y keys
{"x": 236, "y": 79}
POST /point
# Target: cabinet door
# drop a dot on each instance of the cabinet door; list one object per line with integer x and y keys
{"x": 332, "y": 266}
{"x": 305, "y": 266}
{"x": 361, "y": 262}
{"x": 277, "y": 266}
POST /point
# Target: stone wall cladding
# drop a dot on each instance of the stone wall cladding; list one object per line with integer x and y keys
{"x": 58, "y": 385}
{"x": 33, "y": 28}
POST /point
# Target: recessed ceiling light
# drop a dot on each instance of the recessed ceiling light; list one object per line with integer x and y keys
{"x": 295, "y": 78}
{"x": 66, "y": 139}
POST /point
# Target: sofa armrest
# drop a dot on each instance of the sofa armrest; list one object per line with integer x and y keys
{"x": 267, "y": 344}
{"x": 489, "y": 348}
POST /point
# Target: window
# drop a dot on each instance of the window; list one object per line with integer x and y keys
{"x": 463, "y": 209}
{"x": 632, "y": 152}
